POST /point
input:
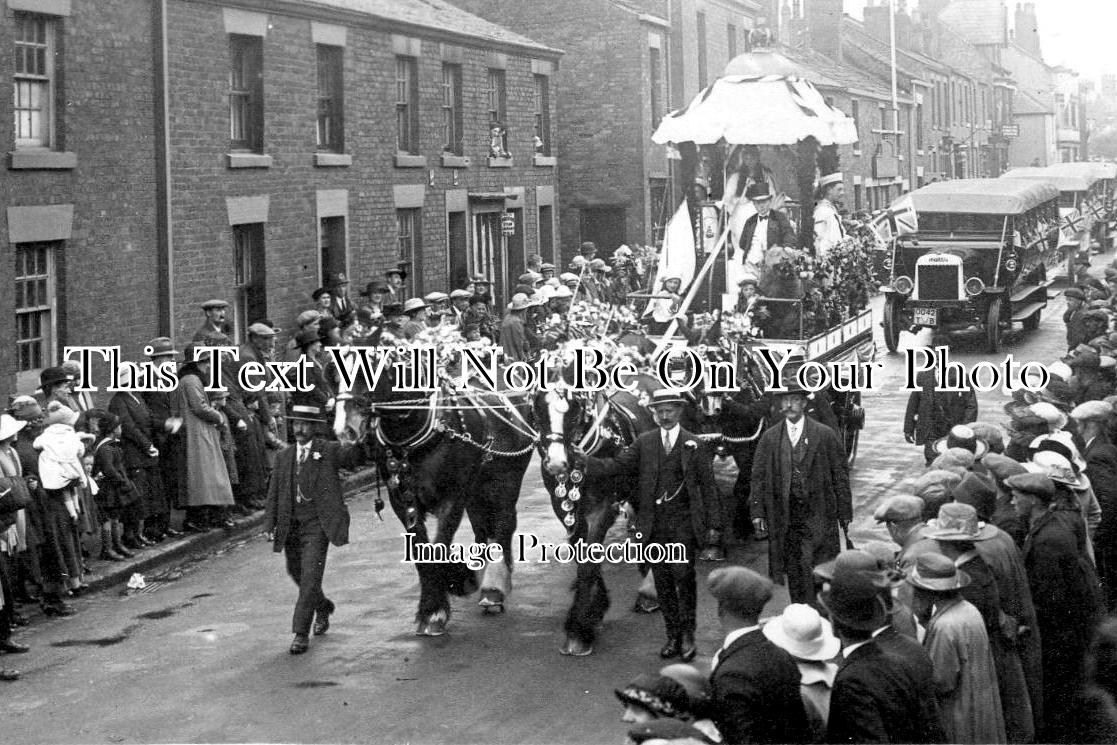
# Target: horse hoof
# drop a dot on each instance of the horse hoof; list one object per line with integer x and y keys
{"x": 494, "y": 609}
{"x": 434, "y": 625}
{"x": 492, "y": 600}
{"x": 645, "y": 605}
{"x": 576, "y": 648}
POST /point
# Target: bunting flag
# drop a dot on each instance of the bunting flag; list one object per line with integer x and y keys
{"x": 1097, "y": 211}
{"x": 1072, "y": 224}
{"x": 881, "y": 225}
{"x": 905, "y": 221}
{"x": 677, "y": 257}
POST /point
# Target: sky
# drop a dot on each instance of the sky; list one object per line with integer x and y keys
{"x": 1076, "y": 33}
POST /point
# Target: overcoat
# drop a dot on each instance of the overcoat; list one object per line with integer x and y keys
{"x": 318, "y": 478}
{"x": 203, "y": 478}
{"x": 826, "y": 478}
{"x": 641, "y": 461}
{"x": 754, "y": 692}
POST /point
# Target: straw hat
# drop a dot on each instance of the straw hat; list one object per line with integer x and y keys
{"x": 802, "y": 633}
{"x": 961, "y": 436}
{"x": 10, "y": 426}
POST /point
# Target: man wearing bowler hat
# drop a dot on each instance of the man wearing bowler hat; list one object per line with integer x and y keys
{"x": 676, "y": 502}
{"x": 306, "y": 513}
{"x": 215, "y": 311}
{"x": 800, "y": 493}
{"x": 762, "y": 230}
{"x": 754, "y": 684}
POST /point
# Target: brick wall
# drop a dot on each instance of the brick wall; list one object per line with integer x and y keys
{"x": 199, "y": 61}
{"x": 107, "y": 293}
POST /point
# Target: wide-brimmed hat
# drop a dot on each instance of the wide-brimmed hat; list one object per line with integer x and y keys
{"x": 520, "y": 301}
{"x": 1061, "y": 442}
{"x": 10, "y": 426}
{"x": 961, "y": 436}
{"x": 852, "y": 561}
{"x": 934, "y": 572}
{"x": 958, "y": 522}
{"x": 319, "y": 293}
{"x": 666, "y": 396}
{"x": 1058, "y": 468}
{"x": 658, "y": 694}
{"x": 415, "y": 303}
{"x": 803, "y": 633}
{"x": 53, "y": 376}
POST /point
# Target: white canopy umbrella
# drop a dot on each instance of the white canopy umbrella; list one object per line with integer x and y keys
{"x": 763, "y": 99}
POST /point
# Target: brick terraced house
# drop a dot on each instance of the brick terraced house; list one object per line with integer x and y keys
{"x": 164, "y": 153}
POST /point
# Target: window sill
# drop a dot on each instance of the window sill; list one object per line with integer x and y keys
{"x": 545, "y": 161}
{"x": 500, "y": 163}
{"x": 407, "y": 160}
{"x": 333, "y": 160}
{"x": 857, "y": 153}
{"x": 249, "y": 160}
{"x": 42, "y": 160}
{"x": 449, "y": 160}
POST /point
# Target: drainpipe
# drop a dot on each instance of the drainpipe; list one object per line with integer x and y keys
{"x": 164, "y": 240}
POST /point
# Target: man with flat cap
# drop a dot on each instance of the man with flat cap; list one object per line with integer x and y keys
{"x": 754, "y": 685}
{"x": 1064, "y": 589}
{"x": 799, "y": 493}
{"x": 215, "y": 311}
{"x": 306, "y": 512}
{"x": 1100, "y": 455}
{"x": 1072, "y": 317}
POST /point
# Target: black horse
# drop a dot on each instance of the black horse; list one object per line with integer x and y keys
{"x": 445, "y": 454}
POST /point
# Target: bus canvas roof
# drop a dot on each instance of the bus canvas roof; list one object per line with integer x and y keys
{"x": 1078, "y": 179}
{"x": 983, "y": 196}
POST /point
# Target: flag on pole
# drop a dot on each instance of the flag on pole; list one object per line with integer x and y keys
{"x": 905, "y": 221}
{"x": 881, "y": 226}
{"x": 676, "y": 258}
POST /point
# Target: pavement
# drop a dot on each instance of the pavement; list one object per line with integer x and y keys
{"x": 106, "y": 574}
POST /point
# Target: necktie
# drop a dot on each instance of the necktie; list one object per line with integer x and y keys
{"x": 304, "y": 451}
{"x": 666, "y": 442}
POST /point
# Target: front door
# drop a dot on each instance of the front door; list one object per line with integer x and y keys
{"x": 489, "y": 254}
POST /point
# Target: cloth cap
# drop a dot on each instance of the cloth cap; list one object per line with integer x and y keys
{"x": 954, "y": 458}
{"x": 1049, "y": 413}
{"x": 588, "y": 246}
{"x": 436, "y": 297}
{"x": 667, "y": 730}
{"x": 308, "y": 317}
{"x": 261, "y": 329}
{"x": 568, "y": 277}
{"x": 547, "y": 266}
{"x": 160, "y": 346}
{"x": 414, "y": 303}
{"x": 899, "y": 508}
{"x": 1060, "y": 369}
{"x": 10, "y": 426}
{"x": 991, "y": 434}
{"x": 211, "y": 304}
{"x": 479, "y": 279}
{"x": 1002, "y": 467}
{"x": 1074, "y": 292}
{"x": 1092, "y": 411}
{"x": 1087, "y": 360}
{"x": 935, "y": 572}
{"x": 461, "y": 295}
{"x": 803, "y": 633}
{"x": 1106, "y": 362}
{"x": 1035, "y": 484}
{"x": 740, "y": 587}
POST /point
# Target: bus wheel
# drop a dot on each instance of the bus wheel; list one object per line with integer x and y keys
{"x": 891, "y": 324}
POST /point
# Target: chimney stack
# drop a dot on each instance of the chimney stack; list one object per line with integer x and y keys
{"x": 1027, "y": 29}
{"x": 824, "y": 22}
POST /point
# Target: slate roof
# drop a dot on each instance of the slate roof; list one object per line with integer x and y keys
{"x": 437, "y": 15}
{"x": 978, "y": 21}
{"x": 826, "y": 73}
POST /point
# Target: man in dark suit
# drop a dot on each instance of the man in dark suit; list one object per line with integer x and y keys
{"x": 341, "y": 306}
{"x": 800, "y": 494}
{"x": 877, "y": 695}
{"x": 1101, "y": 466}
{"x": 165, "y": 436}
{"x": 306, "y": 513}
{"x": 754, "y": 685}
{"x": 763, "y": 230}
{"x": 931, "y": 413}
{"x": 677, "y": 502}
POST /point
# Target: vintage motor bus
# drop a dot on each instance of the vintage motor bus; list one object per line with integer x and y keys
{"x": 980, "y": 258}
{"x": 1080, "y": 187}
{"x": 1099, "y": 203}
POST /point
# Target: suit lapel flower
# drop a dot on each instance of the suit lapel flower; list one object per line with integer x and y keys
{"x": 316, "y": 455}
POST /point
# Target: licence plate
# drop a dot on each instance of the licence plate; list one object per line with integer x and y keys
{"x": 926, "y": 316}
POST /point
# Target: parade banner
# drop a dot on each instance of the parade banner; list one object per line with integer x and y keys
{"x": 676, "y": 258}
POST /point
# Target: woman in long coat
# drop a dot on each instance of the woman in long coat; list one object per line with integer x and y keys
{"x": 203, "y": 478}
